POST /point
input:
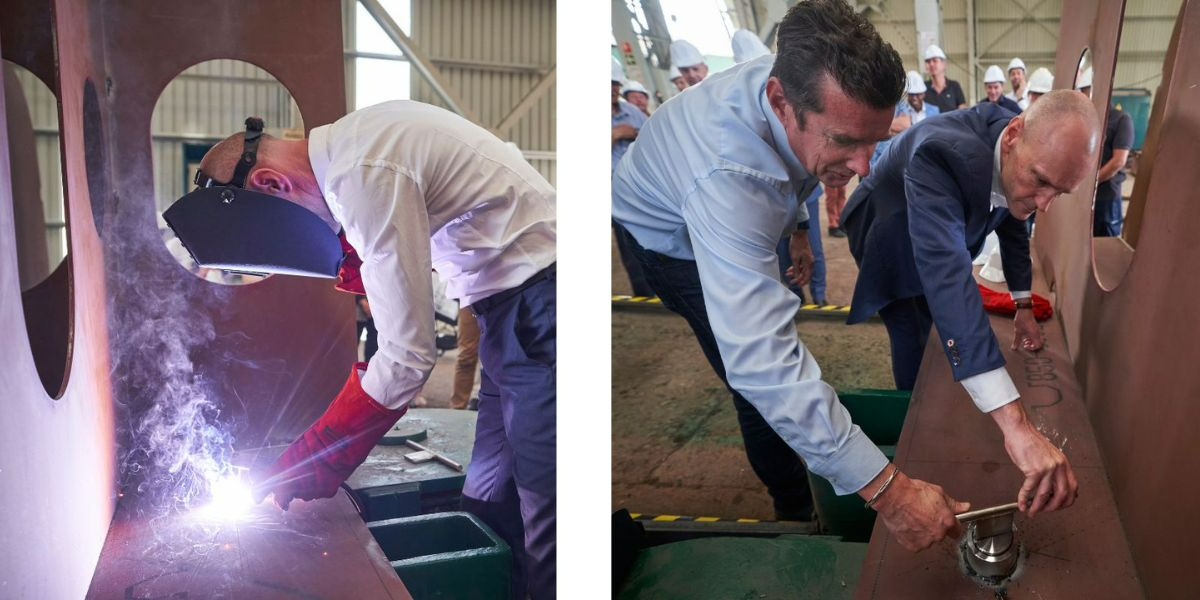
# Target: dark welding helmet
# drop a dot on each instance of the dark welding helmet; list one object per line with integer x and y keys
{"x": 226, "y": 226}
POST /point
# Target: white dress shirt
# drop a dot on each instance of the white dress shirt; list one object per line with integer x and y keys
{"x": 417, "y": 188}
{"x": 712, "y": 178}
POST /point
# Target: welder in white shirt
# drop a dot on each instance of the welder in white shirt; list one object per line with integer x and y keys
{"x": 414, "y": 188}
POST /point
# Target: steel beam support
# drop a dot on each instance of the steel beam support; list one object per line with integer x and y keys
{"x": 654, "y": 79}
{"x": 419, "y": 61}
{"x": 526, "y": 103}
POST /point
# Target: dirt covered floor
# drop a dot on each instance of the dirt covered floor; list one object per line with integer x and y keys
{"x": 676, "y": 447}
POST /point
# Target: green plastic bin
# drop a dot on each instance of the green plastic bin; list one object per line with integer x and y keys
{"x": 880, "y": 414}
{"x": 449, "y": 555}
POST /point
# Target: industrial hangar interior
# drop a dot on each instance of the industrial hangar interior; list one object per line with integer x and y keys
{"x": 147, "y": 387}
{"x": 697, "y": 514}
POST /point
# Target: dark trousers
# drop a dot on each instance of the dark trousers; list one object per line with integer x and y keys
{"x": 633, "y": 268}
{"x": 1106, "y": 218}
{"x": 908, "y": 322}
{"x": 511, "y": 481}
{"x": 372, "y": 344}
{"x": 677, "y": 283}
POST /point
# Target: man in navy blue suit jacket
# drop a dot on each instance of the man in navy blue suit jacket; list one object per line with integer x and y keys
{"x": 918, "y": 220}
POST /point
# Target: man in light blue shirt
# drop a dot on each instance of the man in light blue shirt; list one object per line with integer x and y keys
{"x": 626, "y": 118}
{"x": 702, "y": 199}
{"x": 626, "y": 121}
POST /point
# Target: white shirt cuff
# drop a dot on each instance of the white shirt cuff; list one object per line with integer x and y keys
{"x": 1019, "y": 295}
{"x": 991, "y": 390}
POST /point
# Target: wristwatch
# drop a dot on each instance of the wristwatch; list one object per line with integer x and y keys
{"x": 1024, "y": 303}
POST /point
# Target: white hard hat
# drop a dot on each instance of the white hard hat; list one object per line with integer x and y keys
{"x": 684, "y": 54}
{"x": 634, "y": 85}
{"x": 675, "y": 74}
{"x": 1085, "y": 80}
{"x": 933, "y": 51}
{"x": 746, "y": 46}
{"x": 1016, "y": 63}
{"x": 993, "y": 75}
{"x": 618, "y": 72}
{"x": 913, "y": 84}
{"x": 1041, "y": 82}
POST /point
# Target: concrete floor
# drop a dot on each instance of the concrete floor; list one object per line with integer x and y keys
{"x": 677, "y": 448}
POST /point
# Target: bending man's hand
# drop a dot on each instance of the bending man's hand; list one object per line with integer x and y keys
{"x": 802, "y": 258}
{"x": 1049, "y": 481}
{"x": 919, "y": 514}
{"x": 1027, "y": 334}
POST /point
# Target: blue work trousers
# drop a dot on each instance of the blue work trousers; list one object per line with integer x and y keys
{"x": 511, "y": 482}
{"x": 677, "y": 283}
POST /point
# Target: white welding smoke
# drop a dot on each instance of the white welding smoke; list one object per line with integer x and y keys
{"x": 176, "y": 439}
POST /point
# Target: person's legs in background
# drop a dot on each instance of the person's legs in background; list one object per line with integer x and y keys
{"x": 633, "y": 269}
{"x": 908, "y": 322}
{"x": 467, "y": 360}
{"x": 817, "y": 284}
{"x": 835, "y": 200}
{"x": 777, "y": 465}
{"x": 1106, "y": 216}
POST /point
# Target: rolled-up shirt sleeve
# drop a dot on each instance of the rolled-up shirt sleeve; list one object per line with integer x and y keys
{"x": 385, "y": 219}
{"x": 734, "y": 221}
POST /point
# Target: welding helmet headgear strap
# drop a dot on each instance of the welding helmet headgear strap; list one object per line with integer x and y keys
{"x": 254, "y": 131}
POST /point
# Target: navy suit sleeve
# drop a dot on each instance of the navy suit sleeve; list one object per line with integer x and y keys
{"x": 933, "y": 184}
{"x": 1014, "y": 254}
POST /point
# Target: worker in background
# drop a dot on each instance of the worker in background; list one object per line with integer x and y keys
{"x": 677, "y": 79}
{"x": 919, "y": 219}
{"x": 1016, "y": 77}
{"x": 635, "y": 93}
{"x": 415, "y": 188}
{"x": 703, "y": 198}
{"x": 627, "y": 120}
{"x": 466, "y": 363}
{"x": 1041, "y": 82}
{"x": 690, "y": 62}
{"x": 908, "y": 113}
{"x": 993, "y": 85}
{"x": 1107, "y": 216}
{"x": 943, "y": 92}
{"x": 747, "y": 46}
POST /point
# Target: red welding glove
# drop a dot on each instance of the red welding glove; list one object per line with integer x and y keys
{"x": 1001, "y": 303}
{"x": 349, "y": 279}
{"x": 321, "y": 459}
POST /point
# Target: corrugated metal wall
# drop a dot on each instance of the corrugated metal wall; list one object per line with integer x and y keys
{"x": 205, "y": 104}
{"x": 492, "y": 54}
{"x": 43, "y": 107}
{"x": 1145, "y": 33}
